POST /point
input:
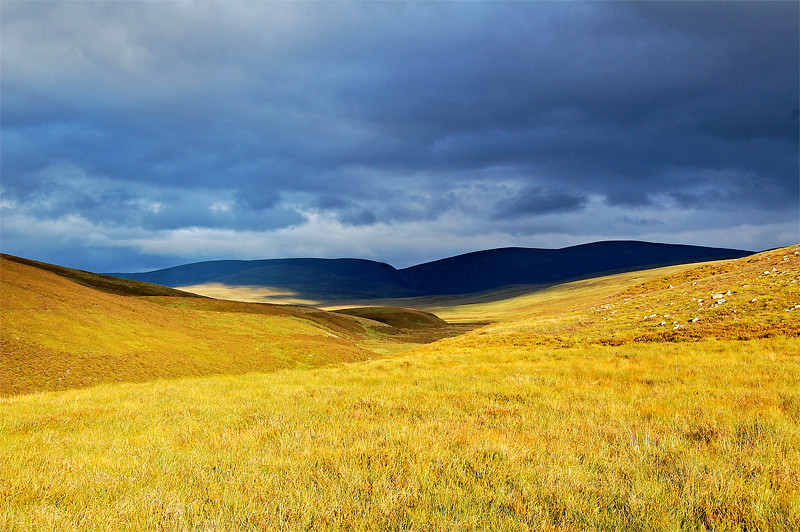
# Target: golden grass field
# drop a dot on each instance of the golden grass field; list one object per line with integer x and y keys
{"x": 571, "y": 412}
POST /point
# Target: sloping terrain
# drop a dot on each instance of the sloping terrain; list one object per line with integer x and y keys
{"x": 319, "y": 281}
{"x": 577, "y": 415}
{"x": 58, "y": 334}
{"x": 104, "y": 283}
{"x": 753, "y": 297}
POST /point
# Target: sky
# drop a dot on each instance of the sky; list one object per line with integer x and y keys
{"x": 142, "y": 135}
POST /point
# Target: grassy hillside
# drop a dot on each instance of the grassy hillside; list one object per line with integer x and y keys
{"x": 104, "y": 283}
{"x": 558, "y": 421}
{"x": 518, "y": 302}
{"x": 59, "y": 334}
{"x": 753, "y": 297}
{"x": 250, "y": 294}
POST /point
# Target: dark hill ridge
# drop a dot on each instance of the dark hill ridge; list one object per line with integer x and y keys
{"x": 354, "y": 279}
{"x": 316, "y": 279}
{"x": 486, "y": 270}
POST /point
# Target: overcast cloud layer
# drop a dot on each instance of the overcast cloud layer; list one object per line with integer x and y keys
{"x": 143, "y": 135}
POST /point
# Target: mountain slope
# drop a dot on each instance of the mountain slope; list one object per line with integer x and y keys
{"x": 330, "y": 280}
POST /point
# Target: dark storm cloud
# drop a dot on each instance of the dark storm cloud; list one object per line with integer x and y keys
{"x": 250, "y": 116}
{"x": 363, "y": 217}
{"x": 536, "y": 201}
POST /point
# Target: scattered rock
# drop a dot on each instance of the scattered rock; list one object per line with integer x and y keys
{"x": 694, "y": 319}
{"x": 753, "y": 300}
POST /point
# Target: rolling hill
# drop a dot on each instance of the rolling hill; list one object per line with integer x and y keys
{"x": 64, "y": 328}
{"x": 335, "y": 280}
{"x": 104, "y": 283}
{"x": 753, "y": 297}
{"x": 486, "y": 270}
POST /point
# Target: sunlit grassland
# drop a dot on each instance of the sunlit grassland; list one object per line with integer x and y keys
{"x": 641, "y": 436}
{"x": 754, "y": 297}
{"x": 586, "y": 413}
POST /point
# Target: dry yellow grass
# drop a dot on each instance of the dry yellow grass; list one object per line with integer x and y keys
{"x": 57, "y": 334}
{"x": 754, "y": 297}
{"x": 537, "y": 424}
{"x": 638, "y": 437}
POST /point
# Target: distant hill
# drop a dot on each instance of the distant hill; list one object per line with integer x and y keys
{"x": 314, "y": 279}
{"x": 358, "y": 279}
{"x": 486, "y": 270}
